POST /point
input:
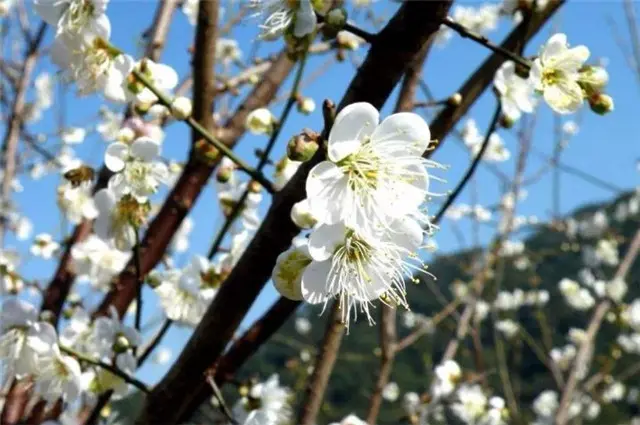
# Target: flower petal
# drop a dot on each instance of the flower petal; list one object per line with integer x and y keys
{"x": 305, "y": 20}
{"x": 145, "y": 148}
{"x": 104, "y": 201}
{"x": 354, "y": 122}
{"x": 51, "y": 10}
{"x": 115, "y": 156}
{"x": 407, "y": 129}
{"x": 556, "y": 45}
{"x": 564, "y": 97}
{"x": 314, "y": 282}
{"x": 324, "y": 240}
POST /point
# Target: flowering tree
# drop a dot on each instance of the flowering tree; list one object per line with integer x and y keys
{"x": 344, "y": 215}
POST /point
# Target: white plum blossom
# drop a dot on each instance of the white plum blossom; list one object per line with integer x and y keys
{"x": 391, "y": 391}
{"x": 93, "y": 64}
{"x": 447, "y": 376}
{"x": 98, "y": 261}
{"x": 268, "y": 401}
{"x": 138, "y": 170}
{"x": 44, "y": 246}
{"x": 495, "y": 151}
{"x": 301, "y": 215}
{"x": 190, "y": 9}
{"x": 471, "y": 403}
{"x": 576, "y": 296}
{"x": 75, "y": 17}
{"x": 24, "y": 341}
{"x": 260, "y": 121}
{"x": 284, "y": 170}
{"x": 375, "y": 171}
{"x": 59, "y": 376}
{"x": 228, "y": 50}
{"x": 302, "y": 325}
{"x": 556, "y": 72}
{"x": 114, "y": 219}
{"x": 516, "y": 93}
{"x": 77, "y": 202}
{"x": 73, "y": 135}
{"x": 480, "y": 20}
{"x": 110, "y": 124}
{"x": 358, "y": 269}
{"x": 109, "y": 332}
{"x": 282, "y": 16}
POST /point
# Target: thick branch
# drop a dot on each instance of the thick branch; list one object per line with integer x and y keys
{"x": 327, "y": 356}
{"x": 388, "y": 57}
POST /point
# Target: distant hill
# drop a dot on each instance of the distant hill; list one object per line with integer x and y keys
{"x": 355, "y": 372}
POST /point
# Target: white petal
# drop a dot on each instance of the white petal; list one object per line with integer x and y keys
{"x": 354, "y": 122}
{"x": 376, "y": 286}
{"x": 564, "y": 97}
{"x": 115, "y": 156}
{"x": 572, "y": 60}
{"x": 305, "y": 20}
{"x": 50, "y": 10}
{"x": 145, "y": 148}
{"x": 339, "y": 150}
{"x": 407, "y": 233}
{"x": 555, "y": 46}
{"x": 314, "y": 282}
{"x": 324, "y": 240}
{"x": 104, "y": 201}
{"x": 405, "y": 127}
{"x": 100, "y": 26}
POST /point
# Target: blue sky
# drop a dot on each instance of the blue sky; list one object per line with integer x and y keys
{"x": 605, "y": 146}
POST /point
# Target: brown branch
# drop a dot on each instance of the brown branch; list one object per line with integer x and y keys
{"x": 386, "y": 61}
{"x": 583, "y": 358}
{"x": 60, "y": 285}
{"x": 388, "y": 338}
{"x": 12, "y": 133}
{"x": 482, "y": 78}
{"x": 16, "y": 402}
{"x": 325, "y": 361}
{"x": 184, "y": 194}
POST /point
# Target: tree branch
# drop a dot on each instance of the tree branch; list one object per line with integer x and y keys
{"x": 392, "y": 50}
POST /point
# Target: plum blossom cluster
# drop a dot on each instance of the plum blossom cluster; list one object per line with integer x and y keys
{"x": 64, "y": 367}
{"x": 363, "y": 207}
{"x": 560, "y": 74}
{"x": 86, "y": 57}
{"x": 452, "y": 398}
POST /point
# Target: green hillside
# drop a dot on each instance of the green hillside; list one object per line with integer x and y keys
{"x": 354, "y": 374}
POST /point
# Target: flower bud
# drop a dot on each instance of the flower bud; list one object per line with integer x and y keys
{"x": 306, "y": 105}
{"x": 67, "y": 313}
{"x": 348, "y": 40}
{"x": 601, "y": 103}
{"x": 593, "y": 78}
{"x": 153, "y": 280}
{"x": 301, "y": 215}
{"x": 303, "y": 146}
{"x": 336, "y": 19}
{"x": 253, "y": 79}
{"x": 223, "y": 175}
{"x": 47, "y": 316}
{"x": 121, "y": 344}
{"x": 255, "y": 187}
{"x": 455, "y": 99}
{"x": 181, "y": 108}
{"x": 260, "y": 121}
{"x": 506, "y": 121}
{"x": 126, "y": 135}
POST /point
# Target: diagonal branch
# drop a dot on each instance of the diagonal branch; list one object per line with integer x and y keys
{"x": 391, "y": 51}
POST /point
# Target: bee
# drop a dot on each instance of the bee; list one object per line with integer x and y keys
{"x": 79, "y": 175}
